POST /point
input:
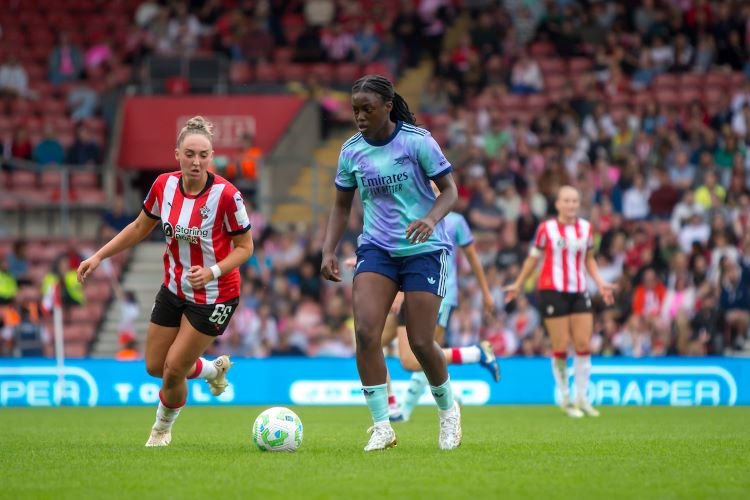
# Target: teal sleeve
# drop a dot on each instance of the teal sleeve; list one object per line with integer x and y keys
{"x": 431, "y": 159}
{"x": 345, "y": 180}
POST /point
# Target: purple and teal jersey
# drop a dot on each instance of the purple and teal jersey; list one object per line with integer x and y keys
{"x": 460, "y": 236}
{"x": 393, "y": 178}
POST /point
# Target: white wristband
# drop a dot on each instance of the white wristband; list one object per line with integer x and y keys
{"x": 216, "y": 271}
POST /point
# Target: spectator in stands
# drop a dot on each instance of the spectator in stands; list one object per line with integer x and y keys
{"x": 435, "y": 100}
{"x": 706, "y": 332}
{"x": 319, "y": 13}
{"x": 367, "y": 44}
{"x": 71, "y": 290}
{"x": 128, "y": 348}
{"x": 29, "y": 334}
{"x": 14, "y": 81}
{"x": 183, "y": 31}
{"x": 734, "y": 302}
{"x": 49, "y": 151}
{"x": 84, "y": 150}
{"x": 664, "y": 198}
{"x": 98, "y": 57}
{"x": 243, "y": 169}
{"x": 8, "y": 284}
{"x": 309, "y": 47}
{"x": 82, "y": 101}
{"x": 114, "y": 220}
{"x": 255, "y": 43}
{"x": 681, "y": 172}
{"x": 526, "y": 76}
{"x": 65, "y": 61}
{"x": 127, "y": 303}
{"x": 21, "y": 146}
{"x": 406, "y": 29}
{"x": 635, "y": 200}
{"x": 18, "y": 262}
{"x": 338, "y": 43}
{"x": 696, "y": 230}
{"x": 710, "y": 192}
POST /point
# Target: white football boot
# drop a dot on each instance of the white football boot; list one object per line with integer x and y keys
{"x": 382, "y": 437}
{"x": 219, "y": 383}
{"x": 159, "y": 438}
{"x": 450, "y": 427}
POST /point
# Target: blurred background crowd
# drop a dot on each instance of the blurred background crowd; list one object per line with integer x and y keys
{"x": 643, "y": 105}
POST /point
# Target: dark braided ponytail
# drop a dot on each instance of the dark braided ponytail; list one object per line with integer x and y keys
{"x": 383, "y": 87}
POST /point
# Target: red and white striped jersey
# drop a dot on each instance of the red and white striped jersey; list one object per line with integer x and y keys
{"x": 564, "y": 248}
{"x": 198, "y": 229}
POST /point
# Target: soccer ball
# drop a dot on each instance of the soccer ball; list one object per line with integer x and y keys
{"x": 277, "y": 429}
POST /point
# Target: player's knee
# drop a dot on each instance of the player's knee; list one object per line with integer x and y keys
{"x": 410, "y": 364}
{"x": 173, "y": 372}
{"x": 422, "y": 346}
{"x": 155, "y": 369}
{"x": 367, "y": 337}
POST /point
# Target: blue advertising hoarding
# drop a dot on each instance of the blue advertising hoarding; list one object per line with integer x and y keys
{"x": 319, "y": 381}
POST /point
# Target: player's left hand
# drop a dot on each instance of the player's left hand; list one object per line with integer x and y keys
{"x": 607, "y": 291}
{"x": 199, "y": 276}
{"x": 489, "y": 304}
{"x": 420, "y": 230}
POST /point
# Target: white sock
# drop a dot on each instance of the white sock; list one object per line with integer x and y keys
{"x": 207, "y": 369}
{"x": 581, "y": 373}
{"x": 165, "y": 417}
{"x": 560, "y": 372}
{"x": 465, "y": 355}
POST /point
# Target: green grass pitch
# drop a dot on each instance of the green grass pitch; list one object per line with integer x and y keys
{"x": 507, "y": 452}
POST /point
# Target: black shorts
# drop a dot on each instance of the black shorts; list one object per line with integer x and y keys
{"x": 211, "y": 319}
{"x": 553, "y": 304}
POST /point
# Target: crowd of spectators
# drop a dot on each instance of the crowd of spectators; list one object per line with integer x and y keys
{"x": 643, "y": 105}
{"x": 532, "y": 98}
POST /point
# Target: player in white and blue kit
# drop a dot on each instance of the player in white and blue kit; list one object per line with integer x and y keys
{"x": 461, "y": 238}
{"x": 404, "y": 246}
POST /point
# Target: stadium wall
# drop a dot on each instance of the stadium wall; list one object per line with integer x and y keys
{"x": 96, "y": 382}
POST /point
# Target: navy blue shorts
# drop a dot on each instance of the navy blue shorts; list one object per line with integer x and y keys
{"x": 424, "y": 272}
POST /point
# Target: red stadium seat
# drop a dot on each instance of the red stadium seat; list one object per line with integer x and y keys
{"x": 283, "y": 55}
{"x": 76, "y": 349}
{"x": 23, "y": 179}
{"x": 713, "y": 94}
{"x": 51, "y": 179}
{"x": 536, "y": 101}
{"x": 84, "y": 180}
{"x": 347, "y": 74}
{"x": 89, "y": 197}
{"x": 689, "y": 95}
{"x": 541, "y": 49}
{"x": 551, "y": 65}
{"x": 292, "y": 72}
{"x": 555, "y": 81}
{"x": 266, "y": 73}
{"x": 378, "y": 69}
{"x": 240, "y": 73}
{"x": 324, "y": 72}
{"x": 716, "y": 79}
{"x": 665, "y": 81}
{"x": 666, "y": 97}
{"x": 693, "y": 80}
{"x": 579, "y": 64}
{"x": 177, "y": 85}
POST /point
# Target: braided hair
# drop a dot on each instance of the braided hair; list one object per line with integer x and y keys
{"x": 383, "y": 87}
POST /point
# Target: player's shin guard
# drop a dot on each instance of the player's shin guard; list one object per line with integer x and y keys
{"x": 376, "y": 397}
{"x": 166, "y": 414}
{"x": 443, "y": 395}
{"x": 560, "y": 372}
{"x": 417, "y": 385}
{"x": 581, "y": 373}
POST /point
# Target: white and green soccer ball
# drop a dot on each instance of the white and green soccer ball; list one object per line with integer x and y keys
{"x": 277, "y": 429}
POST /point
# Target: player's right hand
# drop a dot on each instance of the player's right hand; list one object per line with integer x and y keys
{"x": 350, "y": 263}
{"x": 511, "y": 291}
{"x": 87, "y": 267}
{"x": 329, "y": 268}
